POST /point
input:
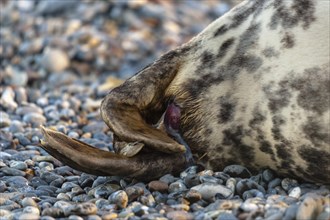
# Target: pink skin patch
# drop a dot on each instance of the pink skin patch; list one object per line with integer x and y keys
{"x": 172, "y": 118}
{"x": 172, "y": 125}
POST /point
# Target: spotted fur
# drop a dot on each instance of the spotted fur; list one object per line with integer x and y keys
{"x": 253, "y": 88}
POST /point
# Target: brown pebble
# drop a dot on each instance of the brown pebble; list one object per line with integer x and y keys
{"x": 193, "y": 196}
{"x": 110, "y": 216}
{"x": 159, "y": 186}
{"x": 179, "y": 215}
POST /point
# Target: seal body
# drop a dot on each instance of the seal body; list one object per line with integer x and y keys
{"x": 253, "y": 88}
{"x": 256, "y": 91}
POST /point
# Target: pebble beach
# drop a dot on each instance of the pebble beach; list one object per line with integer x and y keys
{"x": 58, "y": 60}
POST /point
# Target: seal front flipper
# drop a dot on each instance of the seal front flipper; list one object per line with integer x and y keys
{"x": 86, "y": 158}
{"x": 130, "y": 109}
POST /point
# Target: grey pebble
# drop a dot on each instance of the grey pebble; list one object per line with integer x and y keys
{"x": 237, "y": 171}
{"x": 16, "y": 126}
{"x": 177, "y": 186}
{"x": 28, "y": 216}
{"x": 81, "y": 209}
{"x": 32, "y": 210}
{"x": 53, "y": 212}
{"x": 209, "y": 190}
{"x": 75, "y": 217}
{"x": 19, "y": 165}
{"x": 50, "y": 176}
{"x": 7, "y": 99}
{"x": 288, "y": 183}
{"x": 103, "y": 190}
{"x": 295, "y": 192}
{"x": 5, "y": 120}
{"x": 28, "y": 202}
{"x": 119, "y": 198}
{"x": 35, "y": 119}
{"x": 12, "y": 171}
{"x": 55, "y": 60}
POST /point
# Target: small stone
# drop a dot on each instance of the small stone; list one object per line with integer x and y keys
{"x": 307, "y": 209}
{"x": 133, "y": 192}
{"x": 247, "y": 184}
{"x": 5, "y": 214}
{"x": 53, "y": 211}
{"x": 231, "y": 184}
{"x": 177, "y": 186}
{"x": 28, "y": 216}
{"x": 209, "y": 190}
{"x": 19, "y": 165}
{"x": 27, "y": 201}
{"x": 110, "y": 216}
{"x": 291, "y": 212}
{"x": 31, "y": 210}
{"x": 93, "y": 217}
{"x": 268, "y": 175}
{"x": 226, "y": 216}
{"x": 119, "y": 198}
{"x": 63, "y": 196}
{"x": 237, "y": 171}
{"x": 103, "y": 190}
{"x": 81, "y": 209}
{"x": 50, "y": 176}
{"x": 3, "y": 186}
{"x": 55, "y": 60}
{"x": 168, "y": 178}
{"x": 4, "y": 120}
{"x": 192, "y": 180}
{"x": 7, "y": 99}
{"x": 148, "y": 200}
{"x": 12, "y": 171}
{"x": 193, "y": 196}
{"x": 288, "y": 183}
{"x": 75, "y": 217}
{"x": 179, "y": 215}
{"x": 16, "y": 126}
{"x": 35, "y": 119}
{"x": 21, "y": 95}
{"x": 295, "y": 192}
{"x": 158, "y": 186}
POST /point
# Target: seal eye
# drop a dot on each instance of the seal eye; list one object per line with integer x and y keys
{"x": 172, "y": 118}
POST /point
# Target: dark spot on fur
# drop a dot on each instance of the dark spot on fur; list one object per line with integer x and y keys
{"x": 270, "y": 52}
{"x": 278, "y": 121}
{"x": 257, "y": 119}
{"x": 313, "y": 89}
{"x": 301, "y": 11}
{"x": 227, "y": 110}
{"x": 288, "y": 40}
{"x": 317, "y": 134}
{"x": 243, "y": 12}
{"x": 249, "y": 62}
{"x": 233, "y": 137}
{"x": 197, "y": 87}
{"x": 242, "y": 59}
{"x": 279, "y": 98}
{"x": 207, "y": 60}
{"x": 266, "y": 147}
{"x": 283, "y": 151}
{"x": 225, "y": 47}
{"x": 317, "y": 160}
{"x": 221, "y": 30}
